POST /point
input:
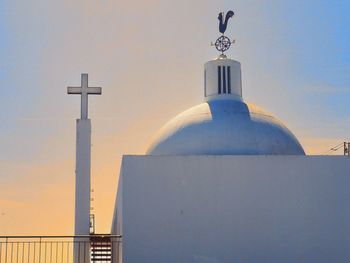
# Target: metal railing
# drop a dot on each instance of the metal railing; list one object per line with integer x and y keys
{"x": 58, "y": 249}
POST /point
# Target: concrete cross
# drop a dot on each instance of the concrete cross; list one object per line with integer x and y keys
{"x": 84, "y": 90}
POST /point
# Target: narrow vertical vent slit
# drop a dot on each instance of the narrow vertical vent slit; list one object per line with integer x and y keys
{"x": 224, "y": 79}
{"x": 229, "y": 79}
{"x": 219, "y": 79}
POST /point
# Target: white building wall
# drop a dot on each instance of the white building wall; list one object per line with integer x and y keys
{"x": 234, "y": 209}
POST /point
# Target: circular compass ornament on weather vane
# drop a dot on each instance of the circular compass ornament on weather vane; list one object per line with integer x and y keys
{"x": 223, "y": 43}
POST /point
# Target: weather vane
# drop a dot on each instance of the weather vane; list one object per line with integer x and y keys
{"x": 223, "y": 43}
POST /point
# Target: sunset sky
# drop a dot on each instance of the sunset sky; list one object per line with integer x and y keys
{"x": 148, "y": 57}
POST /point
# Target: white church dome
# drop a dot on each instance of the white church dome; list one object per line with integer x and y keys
{"x": 224, "y": 124}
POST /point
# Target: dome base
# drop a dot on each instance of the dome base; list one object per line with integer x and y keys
{"x": 225, "y": 127}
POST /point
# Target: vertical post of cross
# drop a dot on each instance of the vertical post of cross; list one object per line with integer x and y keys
{"x": 83, "y": 171}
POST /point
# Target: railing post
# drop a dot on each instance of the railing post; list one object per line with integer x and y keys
{"x": 34, "y": 250}
{"x": 6, "y": 243}
{"x": 11, "y": 254}
{"x": 39, "y": 249}
{"x": 51, "y": 252}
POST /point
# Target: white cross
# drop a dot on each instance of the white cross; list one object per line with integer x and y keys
{"x": 84, "y": 90}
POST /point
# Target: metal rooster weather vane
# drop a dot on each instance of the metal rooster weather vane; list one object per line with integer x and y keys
{"x": 223, "y": 43}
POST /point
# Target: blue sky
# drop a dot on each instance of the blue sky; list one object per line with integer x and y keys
{"x": 148, "y": 56}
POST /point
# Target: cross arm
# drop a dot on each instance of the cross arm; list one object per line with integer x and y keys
{"x": 94, "y": 90}
{"x": 74, "y": 90}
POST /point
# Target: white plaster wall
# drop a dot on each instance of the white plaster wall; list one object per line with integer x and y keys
{"x": 235, "y": 209}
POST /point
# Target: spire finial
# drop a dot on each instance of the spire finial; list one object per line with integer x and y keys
{"x": 223, "y": 43}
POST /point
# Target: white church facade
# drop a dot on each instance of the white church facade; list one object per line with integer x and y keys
{"x": 227, "y": 182}
{"x": 233, "y": 209}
